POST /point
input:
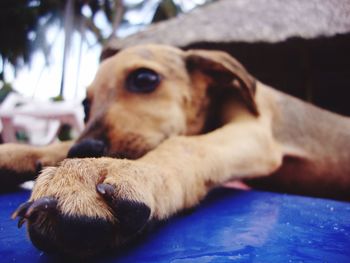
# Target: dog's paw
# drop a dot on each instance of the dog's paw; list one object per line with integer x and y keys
{"x": 18, "y": 163}
{"x": 130, "y": 214}
{"x": 86, "y": 206}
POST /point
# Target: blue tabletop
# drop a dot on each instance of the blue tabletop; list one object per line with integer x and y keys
{"x": 230, "y": 225}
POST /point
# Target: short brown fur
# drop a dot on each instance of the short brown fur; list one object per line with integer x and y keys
{"x": 209, "y": 121}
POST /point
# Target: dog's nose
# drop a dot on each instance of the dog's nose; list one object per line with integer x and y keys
{"x": 87, "y": 148}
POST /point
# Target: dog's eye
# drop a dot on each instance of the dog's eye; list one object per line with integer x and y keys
{"x": 142, "y": 80}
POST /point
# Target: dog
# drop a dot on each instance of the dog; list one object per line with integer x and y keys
{"x": 164, "y": 127}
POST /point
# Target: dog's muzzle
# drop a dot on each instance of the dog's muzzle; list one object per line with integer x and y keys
{"x": 87, "y": 148}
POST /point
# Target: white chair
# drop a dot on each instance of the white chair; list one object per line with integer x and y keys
{"x": 40, "y": 120}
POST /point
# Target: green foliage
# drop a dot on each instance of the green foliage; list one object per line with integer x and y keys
{"x": 166, "y": 10}
{"x": 5, "y": 90}
{"x": 65, "y": 133}
{"x": 24, "y": 24}
{"x": 57, "y": 98}
{"x": 18, "y": 23}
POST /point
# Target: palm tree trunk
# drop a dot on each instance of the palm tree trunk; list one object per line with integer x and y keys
{"x": 82, "y": 27}
{"x": 68, "y": 31}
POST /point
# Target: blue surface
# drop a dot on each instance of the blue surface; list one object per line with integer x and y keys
{"x": 229, "y": 225}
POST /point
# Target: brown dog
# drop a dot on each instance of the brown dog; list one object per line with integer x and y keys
{"x": 193, "y": 120}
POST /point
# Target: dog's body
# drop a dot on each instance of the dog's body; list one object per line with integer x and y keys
{"x": 193, "y": 120}
{"x": 314, "y": 146}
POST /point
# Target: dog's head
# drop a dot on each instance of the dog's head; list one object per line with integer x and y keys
{"x": 145, "y": 94}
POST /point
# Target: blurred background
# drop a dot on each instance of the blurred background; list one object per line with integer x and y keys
{"x": 50, "y": 50}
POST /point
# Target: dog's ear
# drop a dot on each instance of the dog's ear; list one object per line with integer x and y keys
{"x": 224, "y": 70}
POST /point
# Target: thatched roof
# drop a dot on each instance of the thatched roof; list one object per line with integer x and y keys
{"x": 247, "y": 21}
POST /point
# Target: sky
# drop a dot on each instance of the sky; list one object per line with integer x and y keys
{"x": 40, "y": 81}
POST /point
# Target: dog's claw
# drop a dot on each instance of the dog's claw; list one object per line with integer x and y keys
{"x": 42, "y": 204}
{"x": 27, "y": 209}
{"x": 21, "y": 221}
{"x": 132, "y": 215}
{"x": 21, "y": 210}
{"x": 106, "y": 190}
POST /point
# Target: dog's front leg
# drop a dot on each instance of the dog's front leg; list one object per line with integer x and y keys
{"x": 180, "y": 172}
{"x": 20, "y": 162}
{"x": 119, "y": 197}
